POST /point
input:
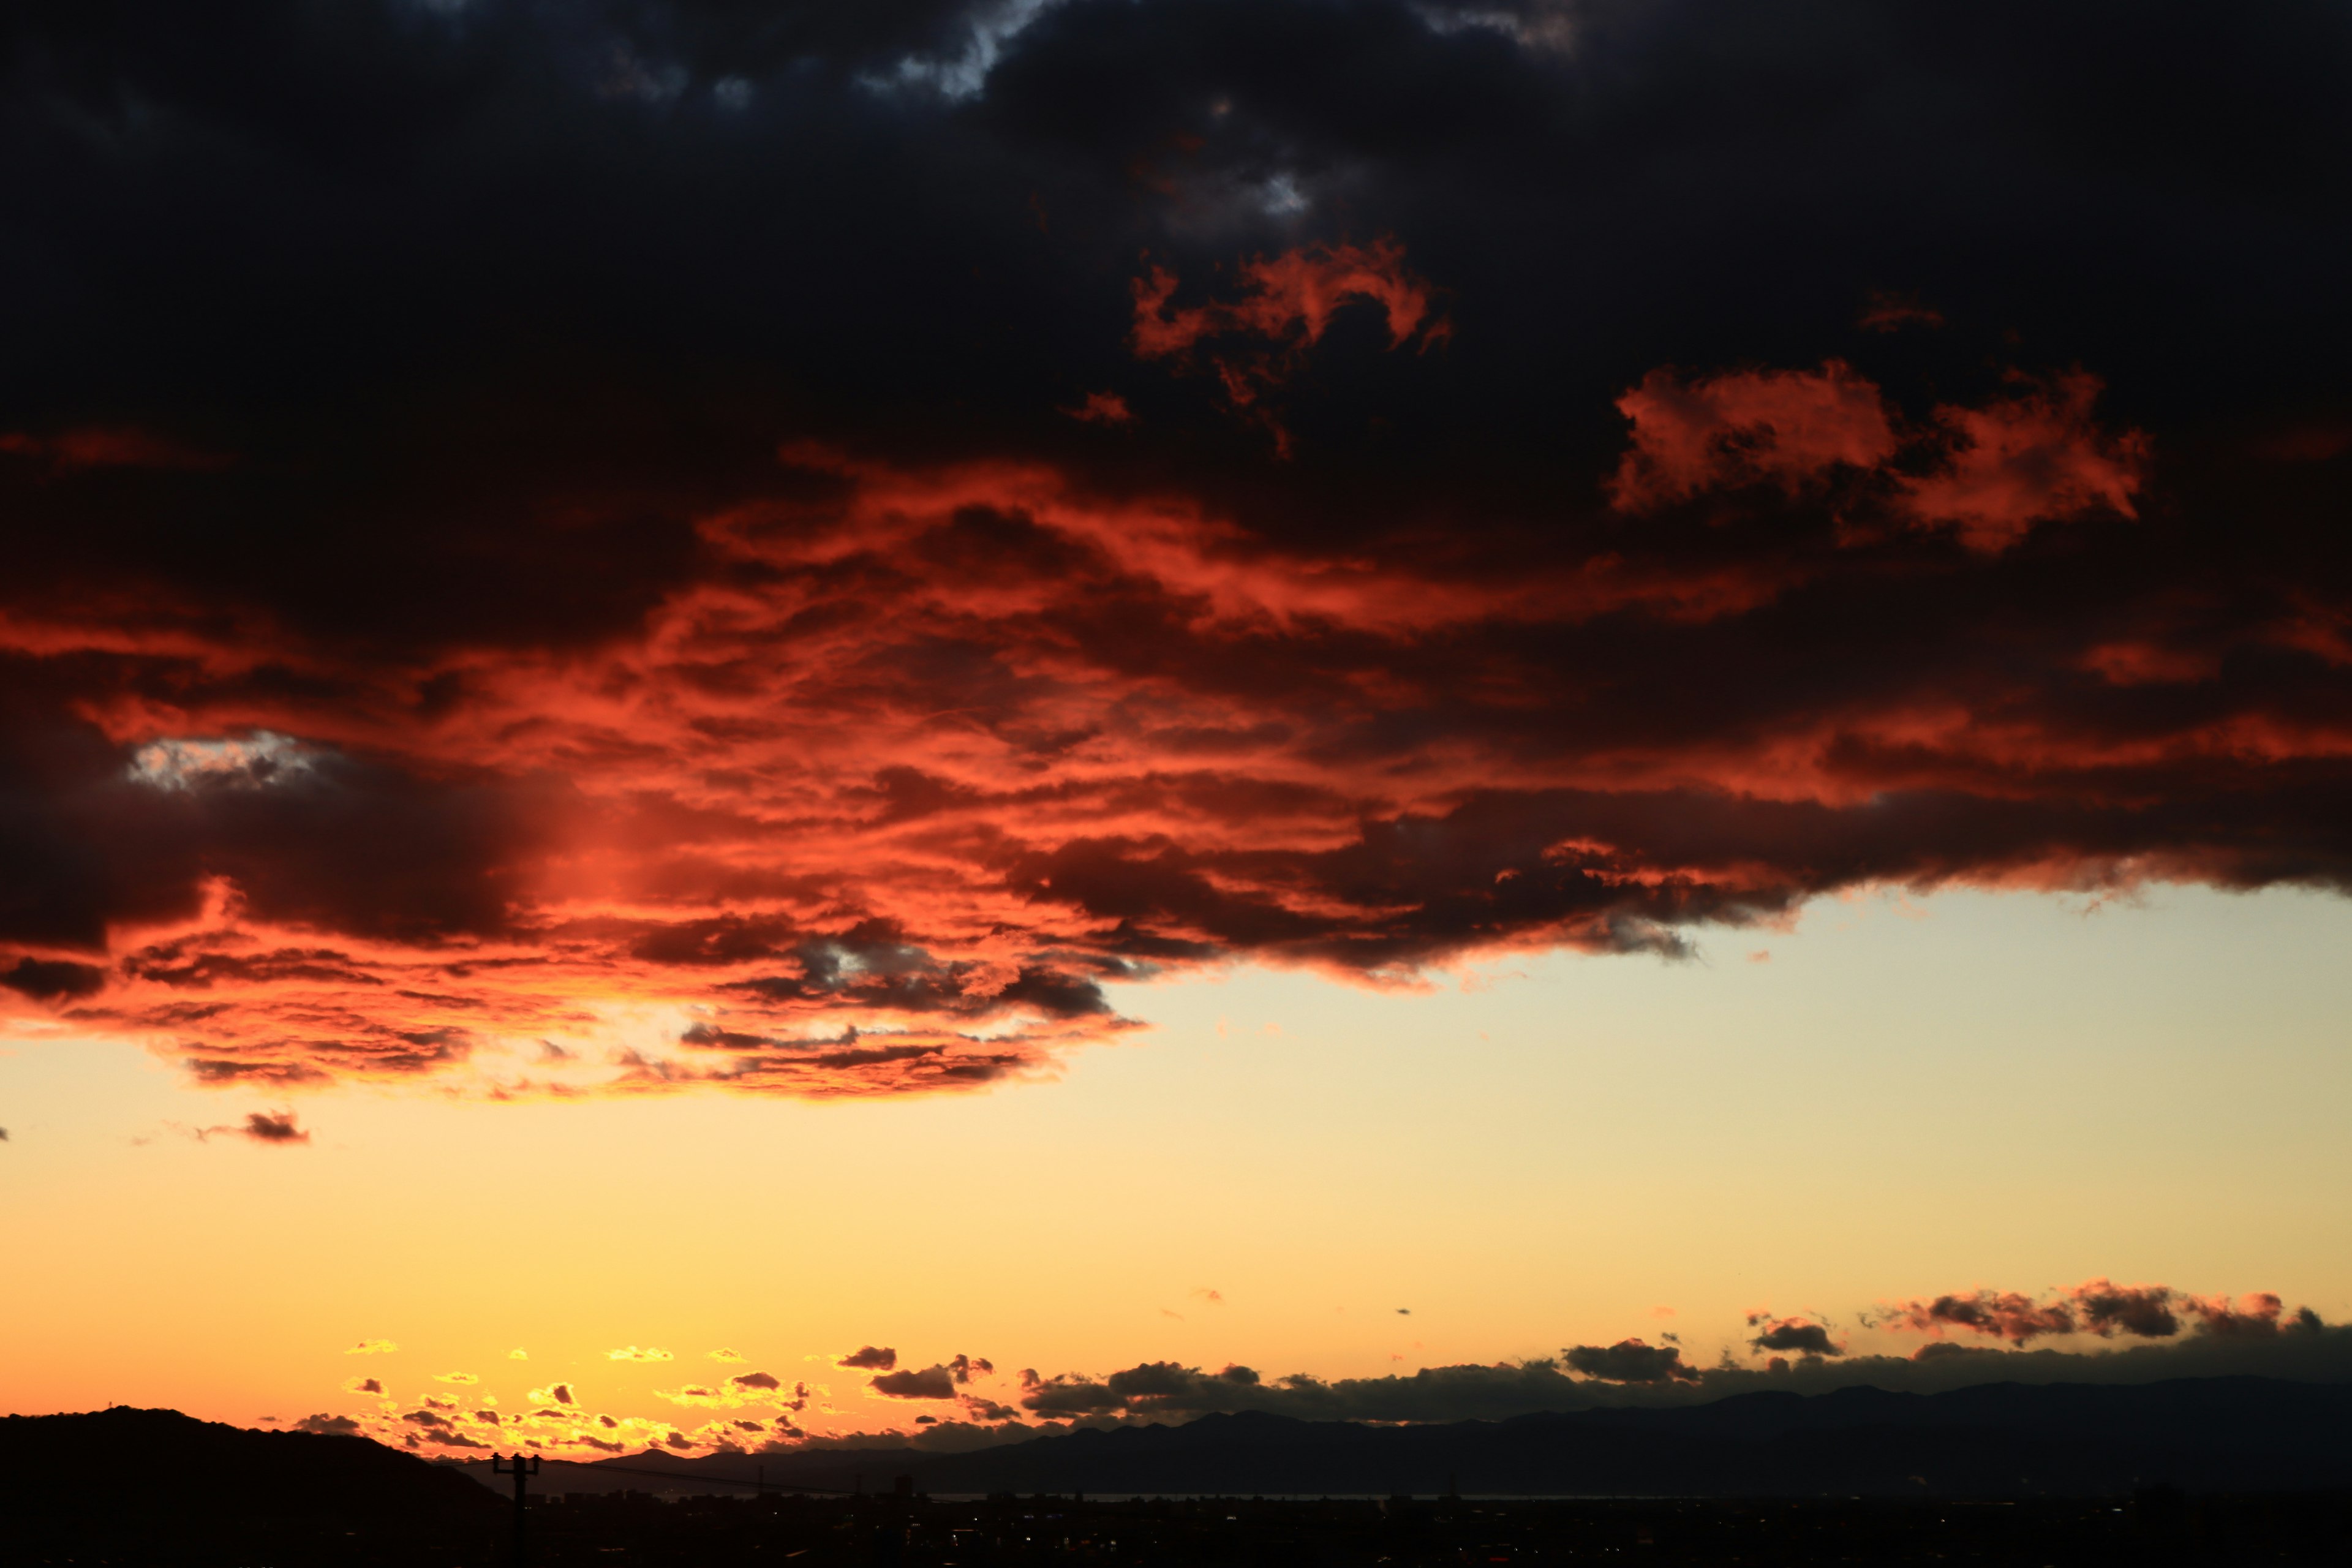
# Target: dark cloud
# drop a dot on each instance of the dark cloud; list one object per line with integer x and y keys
{"x": 913, "y": 1383}
{"x": 2001, "y": 1314}
{"x": 2098, "y": 1307}
{"x": 878, "y": 1358}
{"x": 1792, "y": 1334}
{"x": 273, "y": 1127}
{"x": 1629, "y": 1361}
{"x": 754, "y": 1380}
{"x": 939, "y": 1382}
{"x": 2261, "y": 1340}
{"x": 2143, "y": 1310}
{"x": 48, "y": 981}
{"x": 1693, "y": 456}
{"x": 329, "y": 1425}
{"x": 1163, "y": 1389}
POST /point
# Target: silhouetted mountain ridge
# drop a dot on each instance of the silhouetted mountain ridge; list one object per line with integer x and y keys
{"x": 130, "y": 1485}
{"x": 2237, "y": 1434}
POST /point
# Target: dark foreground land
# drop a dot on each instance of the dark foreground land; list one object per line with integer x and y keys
{"x": 2219, "y": 1472}
{"x": 1004, "y": 1532}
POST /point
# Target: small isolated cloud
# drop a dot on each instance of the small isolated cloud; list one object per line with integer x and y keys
{"x": 261, "y": 1127}
{"x": 554, "y": 1393}
{"x": 1794, "y": 1334}
{"x": 726, "y": 1355}
{"x": 373, "y": 1347}
{"x": 754, "y": 1380}
{"x": 1101, "y": 408}
{"x": 363, "y": 1385}
{"x": 518, "y": 1355}
{"x": 631, "y": 1352}
{"x": 870, "y": 1358}
{"x": 455, "y": 1377}
{"x": 1213, "y": 1298}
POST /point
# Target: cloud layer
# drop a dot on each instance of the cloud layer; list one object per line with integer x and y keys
{"x": 2106, "y": 1333}
{"x": 605, "y": 606}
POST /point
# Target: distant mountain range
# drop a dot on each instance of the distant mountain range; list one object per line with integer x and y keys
{"x": 2001, "y": 1440}
{"x": 156, "y": 1485}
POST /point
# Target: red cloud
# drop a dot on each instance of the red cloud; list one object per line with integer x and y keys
{"x": 2026, "y": 459}
{"x": 1287, "y": 300}
{"x": 2098, "y": 1307}
{"x": 888, "y": 790}
{"x": 1101, "y": 408}
{"x": 1991, "y": 473}
{"x": 1787, "y": 426}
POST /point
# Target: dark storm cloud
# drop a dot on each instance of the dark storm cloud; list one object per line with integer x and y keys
{"x": 507, "y": 503}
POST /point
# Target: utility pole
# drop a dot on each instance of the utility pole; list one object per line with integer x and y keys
{"x": 520, "y": 1466}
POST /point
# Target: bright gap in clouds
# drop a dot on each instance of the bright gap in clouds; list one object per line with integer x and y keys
{"x": 1547, "y": 1154}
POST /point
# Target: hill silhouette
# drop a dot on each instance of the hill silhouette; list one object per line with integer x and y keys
{"x": 156, "y": 1485}
{"x": 2002, "y": 1440}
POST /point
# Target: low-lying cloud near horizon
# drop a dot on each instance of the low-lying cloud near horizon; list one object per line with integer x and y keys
{"x": 598, "y": 605}
{"x": 2136, "y": 1333}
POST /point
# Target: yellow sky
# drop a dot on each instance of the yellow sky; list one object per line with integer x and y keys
{"x": 1907, "y": 1097}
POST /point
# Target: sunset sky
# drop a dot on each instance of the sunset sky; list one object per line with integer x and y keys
{"x": 738, "y": 724}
